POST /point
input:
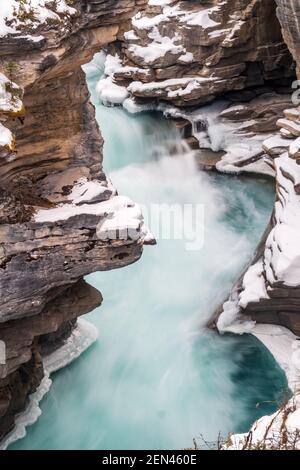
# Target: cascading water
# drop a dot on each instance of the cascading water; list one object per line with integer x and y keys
{"x": 157, "y": 378}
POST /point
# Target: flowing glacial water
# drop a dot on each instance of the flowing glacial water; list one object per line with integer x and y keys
{"x": 157, "y": 378}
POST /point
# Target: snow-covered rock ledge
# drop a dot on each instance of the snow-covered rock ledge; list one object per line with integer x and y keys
{"x": 187, "y": 53}
{"x": 269, "y": 290}
{"x": 238, "y": 129}
{"x": 231, "y": 128}
{"x": 281, "y": 430}
{"x": 285, "y": 347}
{"x": 181, "y": 55}
{"x": 82, "y": 337}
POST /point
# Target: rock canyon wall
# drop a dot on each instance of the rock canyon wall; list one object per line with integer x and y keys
{"x": 288, "y": 12}
{"x": 269, "y": 291}
{"x": 181, "y": 55}
{"x": 195, "y": 51}
{"x": 57, "y": 208}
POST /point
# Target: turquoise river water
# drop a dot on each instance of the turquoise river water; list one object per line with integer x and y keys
{"x": 157, "y": 378}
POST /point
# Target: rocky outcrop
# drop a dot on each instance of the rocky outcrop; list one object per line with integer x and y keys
{"x": 60, "y": 218}
{"x": 269, "y": 290}
{"x": 180, "y": 55}
{"x": 187, "y": 53}
{"x": 236, "y": 130}
{"x": 289, "y": 16}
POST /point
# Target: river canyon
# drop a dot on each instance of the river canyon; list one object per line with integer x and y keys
{"x": 107, "y": 110}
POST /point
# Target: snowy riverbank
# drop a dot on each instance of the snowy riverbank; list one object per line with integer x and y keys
{"x": 281, "y": 429}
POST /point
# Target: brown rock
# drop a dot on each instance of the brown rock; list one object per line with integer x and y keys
{"x": 227, "y": 41}
{"x": 42, "y": 265}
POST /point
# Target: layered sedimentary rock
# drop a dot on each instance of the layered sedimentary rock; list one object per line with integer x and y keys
{"x": 289, "y": 16}
{"x": 269, "y": 291}
{"x": 187, "y": 52}
{"x": 60, "y": 218}
{"x": 180, "y": 55}
{"x": 236, "y": 128}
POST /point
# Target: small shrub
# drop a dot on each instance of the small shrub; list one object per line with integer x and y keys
{"x": 276, "y": 435}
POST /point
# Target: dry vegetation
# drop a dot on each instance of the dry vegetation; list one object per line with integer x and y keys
{"x": 277, "y": 435}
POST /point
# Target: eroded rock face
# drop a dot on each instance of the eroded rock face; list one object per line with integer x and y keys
{"x": 17, "y": 387}
{"x": 269, "y": 291}
{"x": 58, "y": 212}
{"x": 289, "y": 16}
{"x": 181, "y": 55}
{"x": 187, "y": 52}
{"x": 20, "y": 334}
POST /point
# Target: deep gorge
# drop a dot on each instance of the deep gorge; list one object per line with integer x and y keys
{"x": 57, "y": 143}
{"x": 154, "y": 379}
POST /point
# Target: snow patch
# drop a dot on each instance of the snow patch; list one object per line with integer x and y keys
{"x": 201, "y": 18}
{"x": 184, "y": 85}
{"x": 6, "y": 137}
{"x": 231, "y": 321}
{"x": 9, "y": 99}
{"x": 188, "y": 57}
{"x": 159, "y": 2}
{"x": 254, "y": 287}
{"x": 282, "y": 252}
{"x": 38, "y": 12}
{"x": 87, "y": 191}
{"x": 147, "y": 22}
{"x": 111, "y": 93}
{"x": 159, "y": 47}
